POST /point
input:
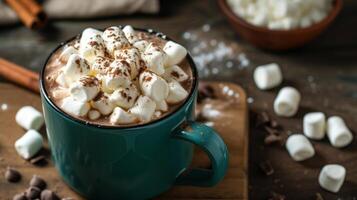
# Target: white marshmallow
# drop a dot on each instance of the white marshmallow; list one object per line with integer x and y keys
{"x": 102, "y": 104}
{"x": 77, "y": 108}
{"x": 114, "y": 38}
{"x": 131, "y": 57}
{"x": 75, "y": 68}
{"x": 154, "y": 58}
{"x": 176, "y": 93}
{"x": 337, "y": 132}
{"x": 120, "y": 116}
{"x": 60, "y": 93}
{"x": 175, "y": 53}
{"x": 29, "y": 144}
{"x": 331, "y": 177}
{"x": 157, "y": 114}
{"x": 67, "y": 52}
{"x": 93, "y": 114}
{"x": 91, "y": 44}
{"x": 175, "y": 73}
{"x": 117, "y": 75}
{"x": 299, "y": 147}
{"x": 286, "y": 104}
{"x": 124, "y": 97}
{"x": 162, "y": 106}
{"x": 314, "y": 125}
{"x": 267, "y": 76}
{"x": 61, "y": 80}
{"x": 153, "y": 86}
{"x": 141, "y": 45}
{"x": 144, "y": 108}
{"x": 130, "y": 34}
{"x": 305, "y": 22}
{"x": 29, "y": 118}
{"x": 85, "y": 89}
{"x": 100, "y": 65}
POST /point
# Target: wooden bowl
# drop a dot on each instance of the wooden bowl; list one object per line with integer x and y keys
{"x": 278, "y": 39}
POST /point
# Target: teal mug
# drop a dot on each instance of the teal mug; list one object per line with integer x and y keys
{"x": 139, "y": 162}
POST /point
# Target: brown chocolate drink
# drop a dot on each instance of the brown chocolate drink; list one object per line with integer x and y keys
{"x": 58, "y": 93}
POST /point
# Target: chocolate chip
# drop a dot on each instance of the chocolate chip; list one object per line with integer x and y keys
{"x": 12, "y": 175}
{"x": 273, "y": 139}
{"x": 319, "y": 196}
{"x": 277, "y": 196}
{"x": 38, "y": 182}
{"x": 19, "y": 197}
{"x": 49, "y": 195}
{"x": 267, "y": 168}
{"x": 39, "y": 160}
{"x": 33, "y": 193}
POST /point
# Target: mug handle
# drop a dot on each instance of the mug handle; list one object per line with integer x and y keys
{"x": 212, "y": 144}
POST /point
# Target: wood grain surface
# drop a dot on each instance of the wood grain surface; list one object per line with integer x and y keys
{"x": 234, "y": 185}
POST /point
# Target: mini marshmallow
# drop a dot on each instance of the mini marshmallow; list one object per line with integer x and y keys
{"x": 91, "y": 44}
{"x": 286, "y": 104}
{"x": 141, "y": 45}
{"x": 175, "y": 53}
{"x": 175, "y": 73}
{"x": 144, "y": 108}
{"x": 129, "y": 33}
{"x": 93, "y": 114}
{"x": 162, "y": 106}
{"x": 130, "y": 57}
{"x": 154, "y": 58}
{"x": 29, "y": 118}
{"x": 337, "y": 132}
{"x": 267, "y": 76}
{"x": 100, "y": 65}
{"x": 114, "y": 38}
{"x": 176, "y": 93}
{"x": 120, "y": 116}
{"x": 102, "y": 104}
{"x": 153, "y": 86}
{"x": 117, "y": 76}
{"x": 331, "y": 177}
{"x": 61, "y": 80}
{"x": 77, "y": 108}
{"x": 299, "y": 147}
{"x": 85, "y": 89}
{"x": 29, "y": 144}
{"x": 314, "y": 125}
{"x": 75, "y": 68}
{"x": 125, "y": 97}
{"x": 67, "y": 52}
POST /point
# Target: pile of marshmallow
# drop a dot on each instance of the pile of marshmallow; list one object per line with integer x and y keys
{"x": 281, "y": 14}
{"x": 115, "y": 73}
{"x": 315, "y": 127}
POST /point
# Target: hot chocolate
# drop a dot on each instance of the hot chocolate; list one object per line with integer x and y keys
{"x": 119, "y": 77}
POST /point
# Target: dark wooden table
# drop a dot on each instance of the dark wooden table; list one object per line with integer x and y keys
{"x": 325, "y": 72}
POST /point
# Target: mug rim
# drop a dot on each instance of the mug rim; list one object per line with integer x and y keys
{"x": 44, "y": 93}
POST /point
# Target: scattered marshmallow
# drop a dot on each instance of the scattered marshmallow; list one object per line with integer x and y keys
{"x": 337, "y": 132}
{"x": 162, "y": 106}
{"x": 75, "y": 68}
{"x": 120, "y": 116}
{"x": 130, "y": 57}
{"x": 141, "y": 45}
{"x": 93, "y": 114}
{"x": 117, "y": 76}
{"x": 268, "y": 76}
{"x": 103, "y": 104}
{"x": 314, "y": 125}
{"x": 286, "y": 104}
{"x": 77, "y": 108}
{"x": 331, "y": 177}
{"x": 176, "y": 93}
{"x": 299, "y": 147}
{"x": 29, "y": 144}
{"x": 125, "y": 97}
{"x": 114, "y": 38}
{"x": 61, "y": 80}
{"x": 66, "y": 53}
{"x": 175, "y": 53}
{"x": 29, "y": 118}
{"x": 154, "y": 58}
{"x": 175, "y": 73}
{"x": 144, "y": 108}
{"x": 100, "y": 65}
{"x": 153, "y": 86}
{"x": 91, "y": 44}
{"x": 85, "y": 89}
{"x": 129, "y": 33}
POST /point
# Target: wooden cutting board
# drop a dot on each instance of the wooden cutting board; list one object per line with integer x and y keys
{"x": 234, "y": 185}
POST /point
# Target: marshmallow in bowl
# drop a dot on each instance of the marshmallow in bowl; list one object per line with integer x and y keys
{"x": 286, "y": 104}
{"x": 153, "y": 86}
{"x": 299, "y": 147}
{"x": 29, "y": 144}
{"x": 125, "y": 97}
{"x": 176, "y": 93}
{"x": 144, "y": 108}
{"x": 162, "y": 106}
{"x": 338, "y": 132}
{"x": 77, "y": 108}
{"x": 75, "y": 68}
{"x": 314, "y": 125}
{"x": 331, "y": 177}
{"x": 91, "y": 44}
{"x": 175, "y": 73}
{"x": 61, "y": 80}
{"x": 67, "y": 52}
{"x": 102, "y": 104}
{"x": 93, "y": 114}
{"x": 267, "y": 76}
{"x": 129, "y": 33}
{"x": 117, "y": 75}
{"x": 175, "y": 53}
{"x": 120, "y": 116}
{"x": 29, "y": 118}
{"x": 100, "y": 65}
{"x": 141, "y": 45}
{"x": 130, "y": 57}
{"x": 155, "y": 59}
{"x": 85, "y": 89}
{"x": 114, "y": 38}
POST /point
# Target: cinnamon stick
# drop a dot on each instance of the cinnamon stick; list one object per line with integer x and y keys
{"x": 19, "y": 75}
